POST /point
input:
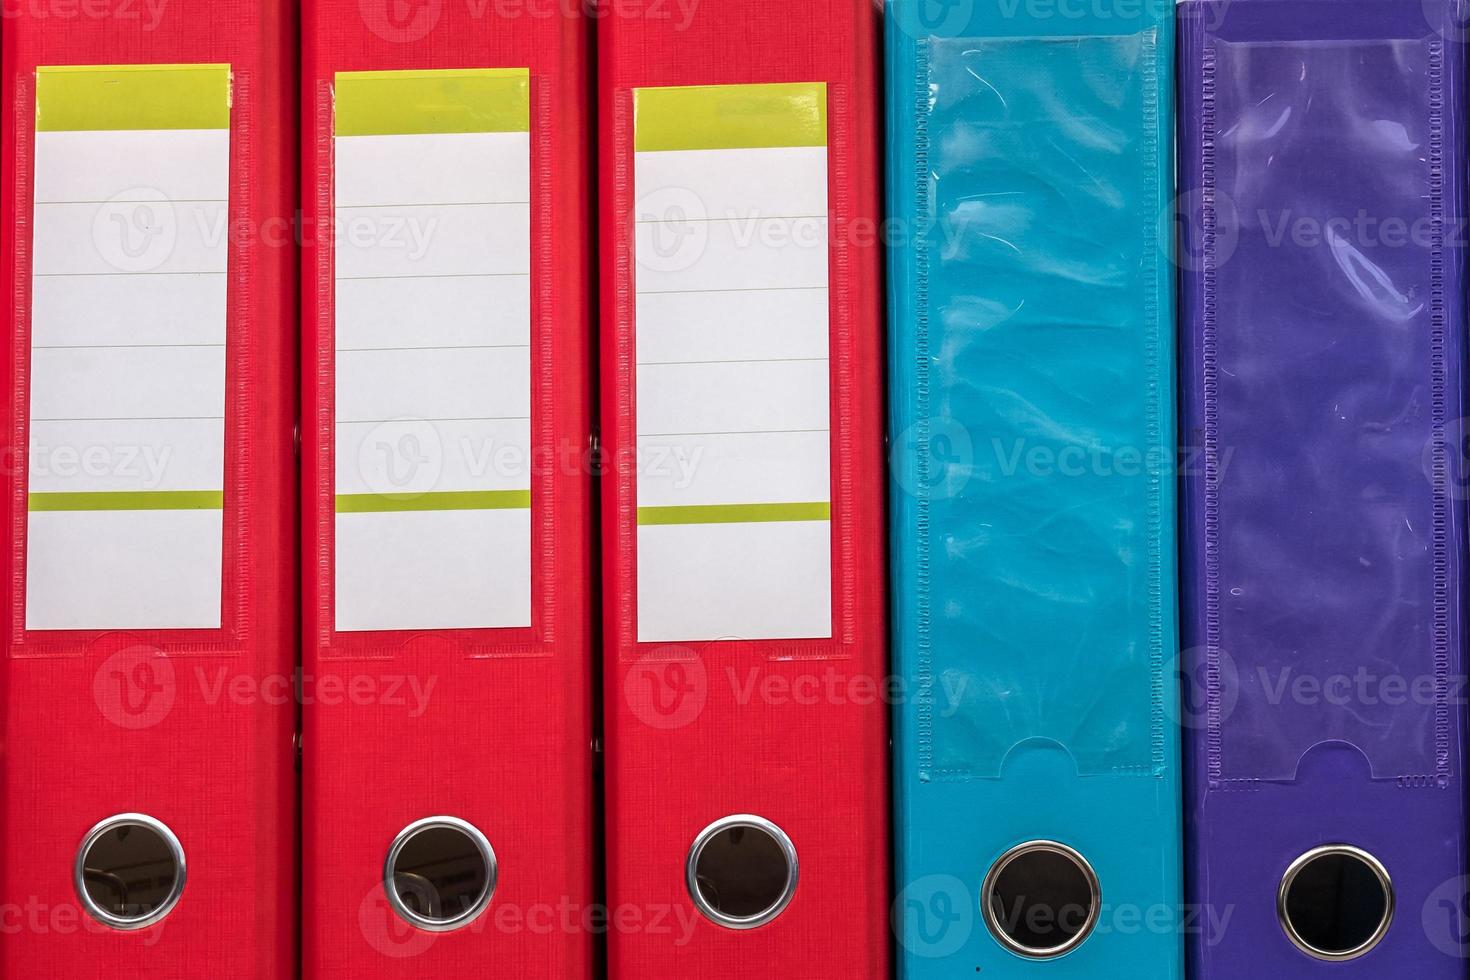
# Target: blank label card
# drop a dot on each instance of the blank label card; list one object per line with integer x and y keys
{"x": 733, "y": 339}
{"x": 128, "y": 347}
{"x": 433, "y": 349}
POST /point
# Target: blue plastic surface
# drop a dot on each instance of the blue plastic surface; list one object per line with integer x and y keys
{"x": 1032, "y": 414}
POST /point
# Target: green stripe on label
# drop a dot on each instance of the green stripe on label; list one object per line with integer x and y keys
{"x": 725, "y": 117}
{"x": 397, "y": 503}
{"x": 400, "y": 103}
{"x": 735, "y": 513}
{"x": 129, "y": 500}
{"x": 111, "y": 97}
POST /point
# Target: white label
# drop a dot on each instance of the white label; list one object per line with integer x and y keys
{"x": 733, "y": 410}
{"x": 433, "y": 373}
{"x": 128, "y": 355}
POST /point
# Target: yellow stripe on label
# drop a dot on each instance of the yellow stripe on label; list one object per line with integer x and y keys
{"x": 728, "y": 117}
{"x": 404, "y": 103}
{"x": 127, "y": 500}
{"x": 115, "y": 97}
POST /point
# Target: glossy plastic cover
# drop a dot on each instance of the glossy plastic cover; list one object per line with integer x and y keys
{"x": 1046, "y": 329}
{"x": 1322, "y": 169}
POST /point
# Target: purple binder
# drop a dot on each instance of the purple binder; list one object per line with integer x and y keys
{"x": 1322, "y": 187}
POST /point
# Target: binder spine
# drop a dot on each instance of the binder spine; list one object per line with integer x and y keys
{"x": 777, "y": 409}
{"x": 1285, "y": 786}
{"x": 1012, "y": 234}
{"x": 147, "y": 196}
{"x": 448, "y": 489}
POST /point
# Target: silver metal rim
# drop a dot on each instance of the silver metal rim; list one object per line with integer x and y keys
{"x": 482, "y": 901}
{"x": 1373, "y": 865}
{"x": 696, "y": 850}
{"x": 130, "y": 922}
{"x": 987, "y": 908}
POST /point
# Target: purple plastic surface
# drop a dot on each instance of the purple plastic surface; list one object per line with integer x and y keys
{"x": 1328, "y": 368}
{"x": 1322, "y": 172}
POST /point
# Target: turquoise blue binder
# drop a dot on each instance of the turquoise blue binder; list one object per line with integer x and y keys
{"x": 1033, "y": 503}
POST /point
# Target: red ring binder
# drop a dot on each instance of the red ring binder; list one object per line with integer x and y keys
{"x": 447, "y": 496}
{"x": 148, "y": 195}
{"x": 743, "y": 535}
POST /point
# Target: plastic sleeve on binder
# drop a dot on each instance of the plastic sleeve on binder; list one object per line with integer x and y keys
{"x": 1031, "y": 395}
{"x": 1046, "y": 365}
{"x": 447, "y": 431}
{"x": 148, "y": 793}
{"x": 742, "y": 504}
{"x": 1325, "y": 390}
